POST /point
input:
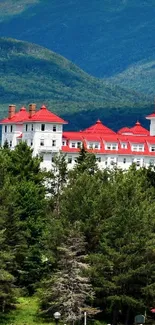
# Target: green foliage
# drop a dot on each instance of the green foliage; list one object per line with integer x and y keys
{"x": 68, "y": 287}
{"x": 41, "y": 244}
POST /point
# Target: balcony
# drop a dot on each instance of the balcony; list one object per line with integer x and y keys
{"x": 48, "y": 149}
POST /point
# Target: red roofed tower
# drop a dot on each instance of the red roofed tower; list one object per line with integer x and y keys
{"x": 99, "y": 128}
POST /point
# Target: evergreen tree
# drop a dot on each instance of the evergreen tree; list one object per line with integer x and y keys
{"x": 124, "y": 265}
{"x": 26, "y": 218}
{"x": 86, "y": 162}
{"x": 68, "y": 288}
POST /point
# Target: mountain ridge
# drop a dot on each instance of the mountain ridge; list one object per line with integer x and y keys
{"x": 102, "y": 37}
{"x": 30, "y": 73}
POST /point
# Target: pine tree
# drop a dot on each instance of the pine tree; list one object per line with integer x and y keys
{"x": 124, "y": 265}
{"x": 26, "y": 214}
{"x": 86, "y": 162}
{"x": 68, "y": 288}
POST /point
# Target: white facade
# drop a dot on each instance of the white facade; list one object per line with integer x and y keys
{"x": 43, "y": 132}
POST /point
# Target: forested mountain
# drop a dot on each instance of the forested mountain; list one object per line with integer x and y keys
{"x": 30, "y": 73}
{"x": 103, "y": 37}
{"x": 138, "y": 77}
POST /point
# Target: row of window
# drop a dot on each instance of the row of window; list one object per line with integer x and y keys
{"x": 110, "y": 146}
{"x": 8, "y": 128}
{"x": 30, "y": 127}
{"x": 112, "y": 161}
{"x": 42, "y": 143}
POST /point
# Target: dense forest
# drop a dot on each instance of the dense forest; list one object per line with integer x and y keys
{"x": 80, "y": 240}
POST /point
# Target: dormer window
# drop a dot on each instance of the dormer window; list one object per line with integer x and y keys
{"x": 64, "y": 143}
{"x": 79, "y": 145}
{"x": 90, "y": 145}
{"x": 137, "y": 147}
{"x": 73, "y": 145}
{"x": 42, "y": 127}
{"x": 112, "y": 146}
{"x": 54, "y": 128}
{"x": 152, "y": 148}
{"x": 124, "y": 145}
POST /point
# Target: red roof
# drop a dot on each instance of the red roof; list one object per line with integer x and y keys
{"x": 44, "y": 115}
{"x": 98, "y": 127}
{"x": 138, "y": 129}
{"x": 150, "y": 116}
{"x": 115, "y": 138}
{"x": 124, "y": 130}
{"x": 19, "y": 117}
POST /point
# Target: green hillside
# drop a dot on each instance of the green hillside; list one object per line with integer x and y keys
{"x": 138, "y": 77}
{"x": 30, "y": 73}
{"x": 103, "y": 37}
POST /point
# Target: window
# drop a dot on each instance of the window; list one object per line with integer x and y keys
{"x": 112, "y": 161}
{"x": 106, "y": 161}
{"x": 138, "y": 147}
{"x": 26, "y": 127}
{"x": 79, "y": 145}
{"x": 124, "y": 146}
{"x": 5, "y": 128}
{"x": 53, "y": 143}
{"x": 69, "y": 160}
{"x": 10, "y": 143}
{"x": 73, "y": 145}
{"x": 90, "y": 145}
{"x": 11, "y": 128}
{"x": 124, "y": 160}
{"x": 31, "y": 127}
{"x": 42, "y": 142}
{"x": 31, "y": 143}
{"x": 98, "y": 159}
{"x": 63, "y": 143}
{"x": 54, "y": 128}
{"x": 151, "y": 162}
{"x": 53, "y": 159}
{"x": 96, "y": 146}
{"x": 152, "y": 148}
{"x": 42, "y": 127}
{"x": 111, "y": 146}
{"x": 138, "y": 163}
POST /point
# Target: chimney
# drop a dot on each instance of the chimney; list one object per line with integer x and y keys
{"x": 12, "y": 109}
{"x": 32, "y": 109}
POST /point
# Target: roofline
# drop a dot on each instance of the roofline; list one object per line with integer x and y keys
{"x": 114, "y": 154}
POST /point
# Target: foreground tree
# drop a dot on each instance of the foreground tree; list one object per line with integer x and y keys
{"x": 69, "y": 287}
{"x": 123, "y": 268}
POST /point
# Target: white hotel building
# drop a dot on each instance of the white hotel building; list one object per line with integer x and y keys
{"x": 43, "y": 131}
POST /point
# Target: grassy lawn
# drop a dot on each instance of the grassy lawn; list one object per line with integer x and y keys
{"x": 25, "y": 314}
